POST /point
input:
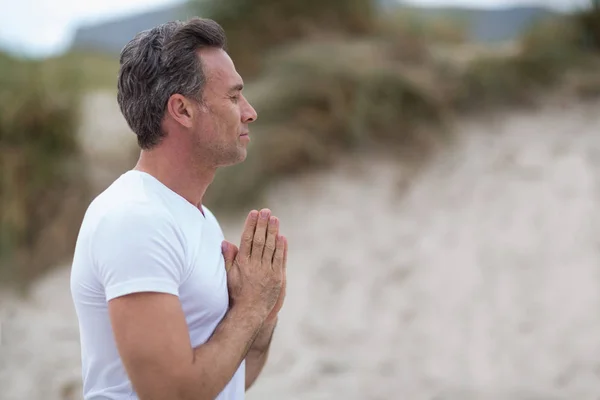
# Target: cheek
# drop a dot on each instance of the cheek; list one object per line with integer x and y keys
{"x": 236, "y": 113}
{"x": 233, "y": 117}
{"x": 222, "y": 121}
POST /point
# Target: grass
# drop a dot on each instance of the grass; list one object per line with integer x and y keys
{"x": 429, "y": 28}
{"x": 588, "y": 21}
{"x": 42, "y": 186}
{"x": 313, "y": 107}
{"x": 93, "y": 70}
{"x": 388, "y": 90}
{"x": 362, "y": 83}
{"x": 255, "y": 27}
{"x": 548, "y": 52}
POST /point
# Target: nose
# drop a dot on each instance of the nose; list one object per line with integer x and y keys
{"x": 248, "y": 113}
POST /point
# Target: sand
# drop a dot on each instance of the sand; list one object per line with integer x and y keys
{"x": 478, "y": 280}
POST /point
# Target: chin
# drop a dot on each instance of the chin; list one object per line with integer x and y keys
{"x": 242, "y": 156}
{"x": 239, "y": 157}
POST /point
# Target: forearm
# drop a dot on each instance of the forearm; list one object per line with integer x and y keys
{"x": 259, "y": 352}
{"x": 215, "y": 362}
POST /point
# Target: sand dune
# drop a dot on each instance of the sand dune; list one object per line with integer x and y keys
{"x": 478, "y": 280}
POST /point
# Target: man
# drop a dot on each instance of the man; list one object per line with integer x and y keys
{"x": 167, "y": 309}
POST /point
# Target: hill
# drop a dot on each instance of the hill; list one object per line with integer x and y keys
{"x": 488, "y": 25}
{"x": 483, "y": 25}
{"x": 110, "y": 36}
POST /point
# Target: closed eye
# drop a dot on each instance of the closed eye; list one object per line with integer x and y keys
{"x": 235, "y": 92}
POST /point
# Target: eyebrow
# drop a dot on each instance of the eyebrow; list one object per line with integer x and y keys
{"x": 237, "y": 88}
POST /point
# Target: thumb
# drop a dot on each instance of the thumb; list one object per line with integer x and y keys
{"x": 230, "y": 251}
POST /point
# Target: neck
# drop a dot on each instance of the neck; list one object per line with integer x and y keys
{"x": 180, "y": 174}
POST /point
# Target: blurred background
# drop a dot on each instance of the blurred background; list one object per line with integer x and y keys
{"x": 435, "y": 165}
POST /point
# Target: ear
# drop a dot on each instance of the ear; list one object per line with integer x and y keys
{"x": 181, "y": 109}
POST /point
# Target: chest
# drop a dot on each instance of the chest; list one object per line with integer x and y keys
{"x": 203, "y": 293}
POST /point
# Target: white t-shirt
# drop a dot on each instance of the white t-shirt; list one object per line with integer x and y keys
{"x": 137, "y": 236}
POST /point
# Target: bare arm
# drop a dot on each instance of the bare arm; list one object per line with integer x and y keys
{"x": 152, "y": 336}
{"x": 153, "y": 340}
{"x": 259, "y": 353}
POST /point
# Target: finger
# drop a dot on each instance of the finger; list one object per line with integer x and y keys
{"x": 260, "y": 235}
{"x": 279, "y": 251}
{"x": 284, "y": 270}
{"x": 272, "y": 232}
{"x": 284, "y": 266}
{"x": 283, "y": 282}
{"x": 229, "y": 251}
{"x": 233, "y": 283}
{"x": 248, "y": 235}
{"x": 285, "y": 249}
{"x": 285, "y": 252}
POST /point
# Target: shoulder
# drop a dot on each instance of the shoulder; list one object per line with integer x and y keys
{"x": 138, "y": 243}
{"x": 136, "y": 223}
{"x": 132, "y": 214}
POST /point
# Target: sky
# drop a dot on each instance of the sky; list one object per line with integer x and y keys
{"x": 41, "y": 28}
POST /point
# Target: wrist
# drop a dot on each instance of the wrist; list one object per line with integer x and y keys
{"x": 247, "y": 313}
{"x": 265, "y": 336}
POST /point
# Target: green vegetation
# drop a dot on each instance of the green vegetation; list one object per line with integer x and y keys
{"x": 589, "y": 24}
{"x": 316, "y": 101}
{"x": 41, "y": 180}
{"x": 396, "y": 87}
{"x": 546, "y": 54}
{"x": 327, "y": 78}
{"x": 431, "y": 27}
{"x": 91, "y": 70}
{"x": 255, "y": 27}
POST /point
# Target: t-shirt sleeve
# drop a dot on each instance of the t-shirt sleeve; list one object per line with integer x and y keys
{"x": 138, "y": 250}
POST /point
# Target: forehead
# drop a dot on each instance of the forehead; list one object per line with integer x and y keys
{"x": 219, "y": 68}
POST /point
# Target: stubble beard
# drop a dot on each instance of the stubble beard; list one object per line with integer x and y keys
{"x": 224, "y": 154}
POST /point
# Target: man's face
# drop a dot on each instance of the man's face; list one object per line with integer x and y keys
{"x": 222, "y": 126}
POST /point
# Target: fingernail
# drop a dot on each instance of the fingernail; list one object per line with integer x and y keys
{"x": 253, "y": 216}
{"x": 224, "y": 246}
{"x": 264, "y": 214}
{"x": 273, "y": 221}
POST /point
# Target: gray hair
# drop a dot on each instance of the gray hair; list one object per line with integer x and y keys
{"x": 158, "y": 63}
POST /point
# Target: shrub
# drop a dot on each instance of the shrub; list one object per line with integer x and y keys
{"x": 312, "y": 108}
{"x": 94, "y": 70}
{"x": 254, "y": 27}
{"x": 424, "y": 28}
{"x": 318, "y": 99}
{"x": 42, "y": 189}
{"x": 545, "y": 54}
{"x": 589, "y": 22}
